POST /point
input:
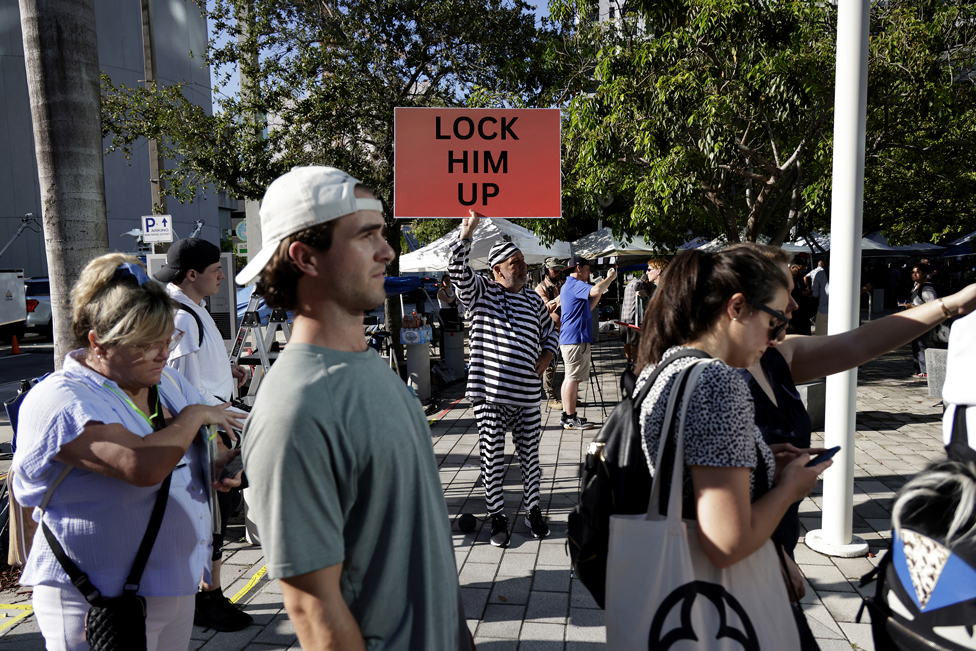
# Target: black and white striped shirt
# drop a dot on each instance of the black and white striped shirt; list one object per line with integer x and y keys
{"x": 508, "y": 333}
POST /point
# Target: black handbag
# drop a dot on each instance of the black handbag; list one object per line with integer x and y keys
{"x": 118, "y": 623}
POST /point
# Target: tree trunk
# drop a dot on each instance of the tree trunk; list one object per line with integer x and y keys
{"x": 797, "y": 209}
{"x": 63, "y": 83}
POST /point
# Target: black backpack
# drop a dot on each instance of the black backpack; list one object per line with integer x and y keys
{"x": 925, "y": 598}
{"x": 615, "y": 480}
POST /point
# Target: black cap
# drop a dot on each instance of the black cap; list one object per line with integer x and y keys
{"x": 577, "y": 261}
{"x": 183, "y": 255}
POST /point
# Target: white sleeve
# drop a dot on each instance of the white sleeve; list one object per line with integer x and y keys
{"x": 189, "y": 367}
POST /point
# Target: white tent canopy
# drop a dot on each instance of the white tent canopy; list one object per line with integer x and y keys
{"x": 602, "y": 243}
{"x": 490, "y": 231}
{"x": 722, "y": 241}
{"x": 877, "y": 244}
{"x": 872, "y": 245}
{"x": 801, "y": 245}
{"x": 963, "y": 239}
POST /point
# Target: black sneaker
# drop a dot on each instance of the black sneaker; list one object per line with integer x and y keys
{"x": 536, "y": 524}
{"x": 575, "y": 422}
{"x": 499, "y": 530}
{"x": 214, "y": 610}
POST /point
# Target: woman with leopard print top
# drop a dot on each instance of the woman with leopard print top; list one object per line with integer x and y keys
{"x": 729, "y": 305}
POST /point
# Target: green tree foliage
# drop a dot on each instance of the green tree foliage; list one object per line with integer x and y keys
{"x": 319, "y": 82}
{"x": 716, "y": 116}
{"x": 920, "y": 170}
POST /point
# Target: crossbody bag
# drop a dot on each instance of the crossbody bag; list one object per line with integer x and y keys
{"x": 119, "y": 623}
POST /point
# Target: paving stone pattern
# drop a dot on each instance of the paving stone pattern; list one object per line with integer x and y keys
{"x": 524, "y": 597}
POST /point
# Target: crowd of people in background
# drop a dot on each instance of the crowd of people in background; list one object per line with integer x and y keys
{"x": 349, "y": 504}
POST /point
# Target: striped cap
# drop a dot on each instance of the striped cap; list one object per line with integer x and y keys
{"x": 501, "y": 252}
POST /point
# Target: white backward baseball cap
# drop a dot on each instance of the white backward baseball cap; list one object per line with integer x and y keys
{"x": 300, "y": 199}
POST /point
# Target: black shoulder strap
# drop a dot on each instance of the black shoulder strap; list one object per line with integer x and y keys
{"x": 960, "y": 433}
{"x": 79, "y": 578}
{"x": 958, "y": 448}
{"x": 196, "y": 318}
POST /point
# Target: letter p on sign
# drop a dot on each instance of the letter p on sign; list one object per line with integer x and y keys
{"x": 498, "y": 162}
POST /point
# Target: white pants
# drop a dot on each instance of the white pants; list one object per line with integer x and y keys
{"x": 60, "y": 613}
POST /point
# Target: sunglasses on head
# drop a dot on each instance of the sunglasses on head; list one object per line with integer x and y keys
{"x": 776, "y": 330}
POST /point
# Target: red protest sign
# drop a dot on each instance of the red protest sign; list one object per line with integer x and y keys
{"x": 499, "y": 162}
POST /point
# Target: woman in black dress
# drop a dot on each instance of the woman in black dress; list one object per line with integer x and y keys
{"x": 779, "y": 412}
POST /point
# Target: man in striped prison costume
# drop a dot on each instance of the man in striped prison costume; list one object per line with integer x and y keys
{"x": 511, "y": 342}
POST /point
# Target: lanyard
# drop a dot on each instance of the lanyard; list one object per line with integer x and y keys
{"x": 148, "y": 419}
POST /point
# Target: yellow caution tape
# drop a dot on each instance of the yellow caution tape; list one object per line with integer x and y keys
{"x": 250, "y": 584}
{"x": 27, "y": 608}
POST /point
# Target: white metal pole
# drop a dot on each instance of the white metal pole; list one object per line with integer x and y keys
{"x": 847, "y": 200}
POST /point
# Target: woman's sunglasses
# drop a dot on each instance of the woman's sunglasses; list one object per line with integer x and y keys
{"x": 776, "y": 330}
{"x": 152, "y": 351}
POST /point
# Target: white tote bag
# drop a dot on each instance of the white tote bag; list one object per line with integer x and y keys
{"x": 663, "y": 594}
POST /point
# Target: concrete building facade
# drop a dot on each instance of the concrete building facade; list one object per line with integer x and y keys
{"x": 180, "y": 30}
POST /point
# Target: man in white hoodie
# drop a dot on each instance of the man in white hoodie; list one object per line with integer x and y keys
{"x": 191, "y": 273}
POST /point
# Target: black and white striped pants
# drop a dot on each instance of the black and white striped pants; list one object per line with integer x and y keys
{"x": 494, "y": 420}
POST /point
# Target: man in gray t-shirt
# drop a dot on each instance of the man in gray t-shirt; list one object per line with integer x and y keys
{"x": 347, "y": 497}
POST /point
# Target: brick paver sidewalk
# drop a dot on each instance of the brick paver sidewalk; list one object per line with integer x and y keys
{"x": 524, "y": 597}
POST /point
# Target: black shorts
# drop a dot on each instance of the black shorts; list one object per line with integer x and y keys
{"x": 631, "y": 336}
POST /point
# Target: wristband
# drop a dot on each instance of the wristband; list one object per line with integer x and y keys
{"x": 945, "y": 311}
{"x": 466, "y": 240}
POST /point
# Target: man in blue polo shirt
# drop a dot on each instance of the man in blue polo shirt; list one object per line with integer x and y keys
{"x": 578, "y": 298}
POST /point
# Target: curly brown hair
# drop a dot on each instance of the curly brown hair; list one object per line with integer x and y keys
{"x": 278, "y": 284}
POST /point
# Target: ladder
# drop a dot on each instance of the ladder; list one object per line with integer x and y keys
{"x": 263, "y": 338}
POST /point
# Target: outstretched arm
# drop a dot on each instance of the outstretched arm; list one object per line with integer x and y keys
{"x": 470, "y": 286}
{"x": 599, "y": 288}
{"x": 597, "y": 291}
{"x": 815, "y": 357}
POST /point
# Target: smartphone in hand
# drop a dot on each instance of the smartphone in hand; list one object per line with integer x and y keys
{"x": 820, "y": 458}
{"x": 232, "y": 467}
